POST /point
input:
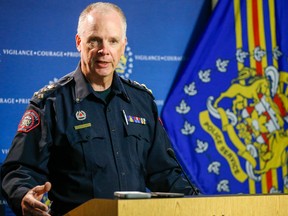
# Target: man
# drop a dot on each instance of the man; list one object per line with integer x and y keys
{"x": 91, "y": 133}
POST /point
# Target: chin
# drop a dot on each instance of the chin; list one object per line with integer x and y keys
{"x": 104, "y": 73}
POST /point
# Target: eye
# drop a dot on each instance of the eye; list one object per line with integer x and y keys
{"x": 113, "y": 41}
{"x": 94, "y": 42}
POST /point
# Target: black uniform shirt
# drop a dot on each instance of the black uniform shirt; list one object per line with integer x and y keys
{"x": 89, "y": 147}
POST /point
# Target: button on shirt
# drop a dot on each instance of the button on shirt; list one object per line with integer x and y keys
{"x": 89, "y": 147}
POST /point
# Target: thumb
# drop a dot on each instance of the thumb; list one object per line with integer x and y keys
{"x": 47, "y": 186}
{"x": 41, "y": 189}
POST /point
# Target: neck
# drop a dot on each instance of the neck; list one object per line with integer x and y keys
{"x": 100, "y": 86}
{"x": 99, "y": 83}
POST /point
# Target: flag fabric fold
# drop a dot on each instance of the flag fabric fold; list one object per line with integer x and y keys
{"x": 227, "y": 114}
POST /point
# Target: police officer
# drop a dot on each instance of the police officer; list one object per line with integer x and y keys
{"x": 92, "y": 132}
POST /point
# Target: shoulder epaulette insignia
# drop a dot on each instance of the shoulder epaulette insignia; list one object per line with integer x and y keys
{"x": 145, "y": 87}
{"x": 137, "y": 85}
{"x": 40, "y": 94}
{"x": 46, "y": 90}
{"x": 140, "y": 86}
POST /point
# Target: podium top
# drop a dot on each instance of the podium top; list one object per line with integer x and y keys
{"x": 235, "y": 205}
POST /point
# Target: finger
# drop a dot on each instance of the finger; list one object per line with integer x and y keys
{"x": 38, "y": 212}
{"x": 47, "y": 186}
{"x": 32, "y": 211}
{"x": 41, "y": 206}
{"x": 41, "y": 189}
{"x": 31, "y": 203}
{"x": 27, "y": 210}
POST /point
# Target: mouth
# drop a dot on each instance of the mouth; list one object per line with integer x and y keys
{"x": 101, "y": 64}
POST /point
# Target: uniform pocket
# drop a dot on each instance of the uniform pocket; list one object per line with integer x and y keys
{"x": 138, "y": 141}
{"x": 92, "y": 143}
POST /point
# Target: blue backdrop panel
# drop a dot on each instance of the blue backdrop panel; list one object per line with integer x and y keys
{"x": 38, "y": 46}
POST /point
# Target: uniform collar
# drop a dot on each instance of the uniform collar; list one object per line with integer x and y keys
{"x": 83, "y": 87}
{"x": 118, "y": 87}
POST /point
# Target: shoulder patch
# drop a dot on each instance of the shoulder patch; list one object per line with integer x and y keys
{"x": 29, "y": 121}
{"x": 138, "y": 85}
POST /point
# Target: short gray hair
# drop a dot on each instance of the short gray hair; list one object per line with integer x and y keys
{"x": 101, "y": 7}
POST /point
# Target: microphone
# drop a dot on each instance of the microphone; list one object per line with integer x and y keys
{"x": 171, "y": 153}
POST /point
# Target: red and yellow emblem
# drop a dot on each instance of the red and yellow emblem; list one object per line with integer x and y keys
{"x": 29, "y": 121}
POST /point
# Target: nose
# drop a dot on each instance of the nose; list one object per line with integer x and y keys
{"x": 100, "y": 51}
{"x": 103, "y": 49}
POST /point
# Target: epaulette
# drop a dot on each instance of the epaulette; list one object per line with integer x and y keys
{"x": 137, "y": 85}
{"x": 48, "y": 89}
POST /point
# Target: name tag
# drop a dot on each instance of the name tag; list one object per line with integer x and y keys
{"x": 82, "y": 126}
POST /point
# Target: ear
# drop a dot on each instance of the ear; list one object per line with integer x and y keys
{"x": 78, "y": 41}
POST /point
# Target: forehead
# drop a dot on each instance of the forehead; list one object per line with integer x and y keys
{"x": 108, "y": 21}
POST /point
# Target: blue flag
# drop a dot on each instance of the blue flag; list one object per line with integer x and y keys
{"x": 227, "y": 114}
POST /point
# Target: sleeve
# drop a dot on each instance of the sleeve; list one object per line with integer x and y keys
{"x": 165, "y": 175}
{"x": 26, "y": 163}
